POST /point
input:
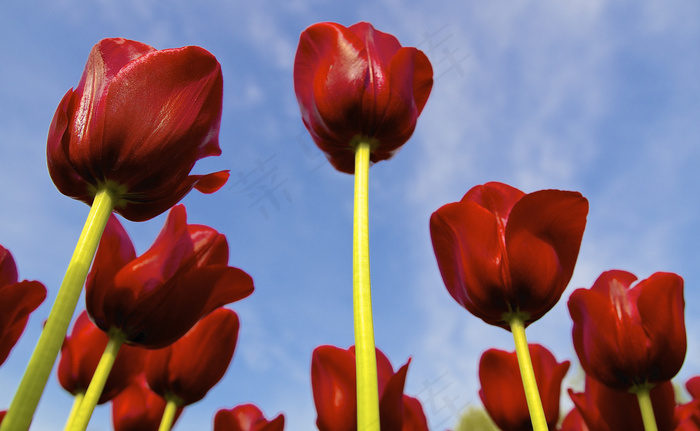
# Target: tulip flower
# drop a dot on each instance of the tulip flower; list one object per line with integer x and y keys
{"x": 606, "y": 409}
{"x": 155, "y": 298}
{"x": 627, "y": 336}
{"x": 81, "y": 353}
{"x": 246, "y": 417}
{"x": 333, "y": 384}
{"x": 502, "y": 390}
{"x": 17, "y": 301}
{"x": 125, "y": 139}
{"x": 138, "y": 408}
{"x": 501, "y": 251}
{"x": 359, "y": 84}
{"x": 136, "y": 124}
{"x": 185, "y": 371}
{"x": 630, "y": 337}
{"x": 360, "y": 94}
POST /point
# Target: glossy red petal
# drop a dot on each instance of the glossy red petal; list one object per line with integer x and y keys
{"x": 693, "y": 386}
{"x": 661, "y": 309}
{"x": 190, "y": 367}
{"x": 391, "y": 400}
{"x": 469, "y": 253}
{"x": 246, "y": 417}
{"x": 543, "y": 237}
{"x": 8, "y": 268}
{"x": 210, "y": 183}
{"x": 17, "y": 302}
{"x": 333, "y": 382}
{"x": 413, "y": 416}
{"x": 137, "y": 408}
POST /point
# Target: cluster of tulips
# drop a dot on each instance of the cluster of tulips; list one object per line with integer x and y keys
{"x": 158, "y": 332}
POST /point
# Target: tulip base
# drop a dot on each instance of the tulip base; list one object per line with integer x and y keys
{"x": 19, "y": 415}
{"x": 365, "y": 354}
{"x": 527, "y": 373}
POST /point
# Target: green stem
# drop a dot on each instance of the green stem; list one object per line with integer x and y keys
{"x": 19, "y": 415}
{"x": 97, "y": 384}
{"x": 647, "y": 409}
{"x": 365, "y": 355}
{"x": 166, "y": 422}
{"x": 527, "y": 373}
{"x": 77, "y": 400}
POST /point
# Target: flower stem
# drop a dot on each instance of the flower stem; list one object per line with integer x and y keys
{"x": 527, "y": 373}
{"x": 647, "y": 409}
{"x": 19, "y": 415}
{"x": 365, "y": 355}
{"x": 97, "y": 384}
{"x": 166, "y": 422}
{"x": 77, "y": 400}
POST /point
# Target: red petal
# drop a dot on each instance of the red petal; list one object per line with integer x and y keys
{"x": 333, "y": 382}
{"x": 543, "y": 237}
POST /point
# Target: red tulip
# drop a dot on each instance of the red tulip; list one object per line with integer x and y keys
{"x": 188, "y": 368}
{"x": 358, "y": 83}
{"x": 606, "y": 409}
{"x": 17, "y": 301}
{"x": 155, "y": 298}
{"x": 80, "y": 354}
{"x": 246, "y": 417}
{"x": 335, "y": 395}
{"x": 137, "y": 408}
{"x": 137, "y": 123}
{"x": 627, "y": 336}
{"x": 502, "y": 252}
{"x": 502, "y": 390}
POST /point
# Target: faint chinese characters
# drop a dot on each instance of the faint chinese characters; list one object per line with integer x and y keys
{"x": 440, "y": 404}
{"x": 262, "y": 185}
{"x": 440, "y": 48}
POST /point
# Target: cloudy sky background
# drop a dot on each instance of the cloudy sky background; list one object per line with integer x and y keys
{"x": 591, "y": 96}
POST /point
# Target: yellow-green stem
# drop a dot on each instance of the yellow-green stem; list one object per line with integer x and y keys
{"x": 97, "y": 384}
{"x": 166, "y": 422}
{"x": 527, "y": 373}
{"x": 31, "y": 387}
{"x": 645, "y": 406}
{"x": 365, "y": 356}
{"x": 77, "y": 399}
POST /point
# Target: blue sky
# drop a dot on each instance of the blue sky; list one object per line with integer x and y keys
{"x": 584, "y": 95}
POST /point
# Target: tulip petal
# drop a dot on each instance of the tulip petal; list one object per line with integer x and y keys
{"x": 333, "y": 382}
{"x": 543, "y": 237}
{"x": 17, "y": 301}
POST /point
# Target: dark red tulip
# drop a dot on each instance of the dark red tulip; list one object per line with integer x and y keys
{"x": 502, "y": 390}
{"x": 137, "y": 122}
{"x": 606, "y": 409}
{"x": 573, "y": 421}
{"x": 80, "y": 354}
{"x": 155, "y": 298}
{"x": 191, "y": 366}
{"x": 627, "y": 336}
{"x": 137, "y": 408}
{"x": 335, "y": 394}
{"x": 503, "y": 252}
{"x": 17, "y": 301}
{"x": 246, "y": 417}
{"x": 357, "y": 83}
